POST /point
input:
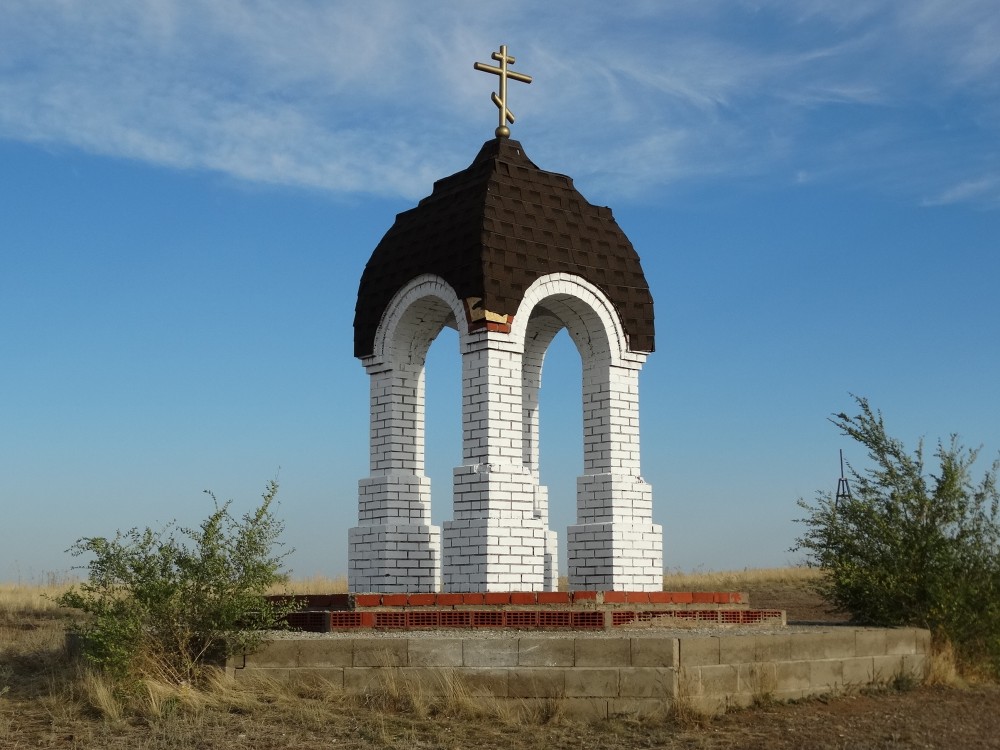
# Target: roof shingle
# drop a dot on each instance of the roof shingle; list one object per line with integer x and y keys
{"x": 493, "y": 229}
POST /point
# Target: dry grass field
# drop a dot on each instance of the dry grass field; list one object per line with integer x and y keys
{"x": 789, "y": 589}
{"x": 48, "y": 701}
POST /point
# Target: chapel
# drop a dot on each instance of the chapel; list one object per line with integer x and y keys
{"x": 508, "y": 254}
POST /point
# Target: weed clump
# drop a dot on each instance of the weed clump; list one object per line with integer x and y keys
{"x": 166, "y": 603}
{"x": 912, "y": 548}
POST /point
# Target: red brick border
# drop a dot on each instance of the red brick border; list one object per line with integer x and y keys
{"x": 517, "y": 619}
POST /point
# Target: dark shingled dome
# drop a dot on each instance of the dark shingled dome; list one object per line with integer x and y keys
{"x": 493, "y": 229}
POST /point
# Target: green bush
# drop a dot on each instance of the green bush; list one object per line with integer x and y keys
{"x": 165, "y": 603}
{"x": 911, "y": 548}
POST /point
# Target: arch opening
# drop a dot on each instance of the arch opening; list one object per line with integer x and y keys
{"x": 443, "y": 420}
{"x": 558, "y": 436}
{"x": 613, "y": 543}
{"x": 418, "y": 327}
{"x": 395, "y": 546}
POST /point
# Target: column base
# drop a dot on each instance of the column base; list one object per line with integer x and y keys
{"x": 495, "y": 542}
{"x": 550, "y": 557}
{"x": 615, "y": 556}
{"x": 394, "y": 558}
{"x": 494, "y": 554}
{"x": 551, "y": 562}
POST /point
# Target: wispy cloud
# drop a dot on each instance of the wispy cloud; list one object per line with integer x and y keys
{"x": 352, "y": 97}
{"x": 984, "y": 190}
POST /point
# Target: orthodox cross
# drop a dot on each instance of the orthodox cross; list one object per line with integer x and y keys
{"x": 504, "y": 59}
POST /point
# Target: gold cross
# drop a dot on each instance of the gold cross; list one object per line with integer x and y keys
{"x": 504, "y": 59}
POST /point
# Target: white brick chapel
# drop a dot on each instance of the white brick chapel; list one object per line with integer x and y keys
{"x": 508, "y": 255}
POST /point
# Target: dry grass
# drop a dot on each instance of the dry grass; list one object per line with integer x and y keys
{"x": 48, "y": 701}
{"x": 739, "y": 580}
{"x": 947, "y": 669}
{"x": 943, "y": 668}
{"x": 730, "y": 580}
{"x": 317, "y": 584}
{"x": 32, "y": 633}
{"x": 446, "y": 694}
{"x": 23, "y": 599}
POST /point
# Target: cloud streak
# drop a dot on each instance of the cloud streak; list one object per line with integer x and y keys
{"x": 371, "y": 98}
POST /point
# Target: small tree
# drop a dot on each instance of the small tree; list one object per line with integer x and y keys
{"x": 911, "y": 548}
{"x": 164, "y": 603}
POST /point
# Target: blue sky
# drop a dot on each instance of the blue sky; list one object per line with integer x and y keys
{"x": 189, "y": 193}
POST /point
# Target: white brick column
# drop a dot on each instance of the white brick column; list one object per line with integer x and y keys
{"x": 495, "y": 541}
{"x": 614, "y": 543}
{"x": 395, "y": 547}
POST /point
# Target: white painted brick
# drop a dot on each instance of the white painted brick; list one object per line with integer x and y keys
{"x": 500, "y": 512}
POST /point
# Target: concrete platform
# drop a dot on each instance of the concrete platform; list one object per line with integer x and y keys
{"x": 605, "y": 673}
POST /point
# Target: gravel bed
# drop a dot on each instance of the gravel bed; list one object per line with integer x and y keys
{"x": 508, "y": 634}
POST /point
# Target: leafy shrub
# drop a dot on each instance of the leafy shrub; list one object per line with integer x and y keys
{"x": 911, "y": 548}
{"x": 165, "y": 603}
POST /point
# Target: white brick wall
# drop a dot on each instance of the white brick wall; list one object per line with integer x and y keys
{"x": 496, "y": 541}
{"x": 614, "y": 544}
{"x": 394, "y": 558}
{"x": 395, "y": 548}
{"x": 499, "y": 538}
{"x": 616, "y": 556}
